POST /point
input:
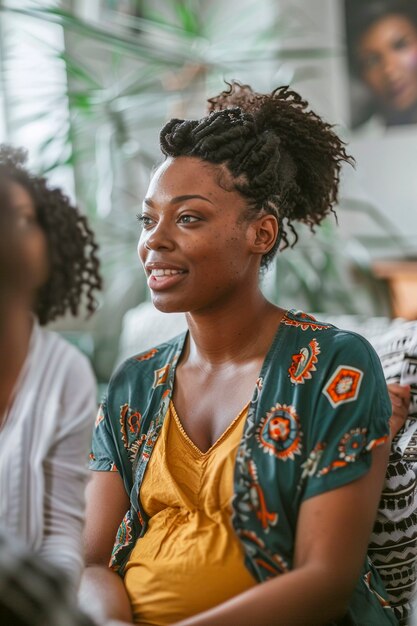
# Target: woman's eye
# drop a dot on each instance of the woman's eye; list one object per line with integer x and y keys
{"x": 26, "y": 222}
{"x": 399, "y": 44}
{"x": 144, "y": 220}
{"x": 188, "y": 219}
{"x": 370, "y": 61}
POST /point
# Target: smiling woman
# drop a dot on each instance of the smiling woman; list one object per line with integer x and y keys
{"x": 196, "y": 233}
{"x": 230, "y": 460}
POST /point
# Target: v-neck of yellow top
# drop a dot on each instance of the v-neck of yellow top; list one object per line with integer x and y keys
{"x": 216, "y": 444}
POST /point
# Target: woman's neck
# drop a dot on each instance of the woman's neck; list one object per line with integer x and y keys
{"x": 237, "y": 333}
{"x": 15, "y": 344}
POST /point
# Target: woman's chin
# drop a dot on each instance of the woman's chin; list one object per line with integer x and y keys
{"x": 166, "y": 305}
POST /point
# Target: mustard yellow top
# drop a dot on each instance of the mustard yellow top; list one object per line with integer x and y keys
{"x": 189, "y": 559}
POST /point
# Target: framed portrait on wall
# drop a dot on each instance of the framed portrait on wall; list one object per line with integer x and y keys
{"x": 381, "y": 40}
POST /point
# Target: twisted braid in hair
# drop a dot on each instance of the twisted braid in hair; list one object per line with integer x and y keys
{"x": 73, "y": 261}
{"x": 284, "y": 159}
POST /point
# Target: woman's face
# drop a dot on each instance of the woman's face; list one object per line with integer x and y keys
{"x": 195, "y": 245}
{"x": 33, "y": 238}
{"x": 388, "y": 58}
{"x": 14, "y": 302}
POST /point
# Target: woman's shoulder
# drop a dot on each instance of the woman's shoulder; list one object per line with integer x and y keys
{"x": 66, "y": 356}
{"x": 313, "y": 345}
{"x": 152, "y": 364}
{"x": 56, "y": 364}
{"x": 57, "y": 384}
{"x": 334, "y": 339}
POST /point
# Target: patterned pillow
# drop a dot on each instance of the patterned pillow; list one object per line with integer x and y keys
{"x": 393, "y": 547}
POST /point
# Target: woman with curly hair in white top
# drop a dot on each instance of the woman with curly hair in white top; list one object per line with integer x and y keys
{"x": 45, "y": 431}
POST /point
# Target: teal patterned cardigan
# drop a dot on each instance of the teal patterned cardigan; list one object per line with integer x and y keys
{"x": 319, "y": 407}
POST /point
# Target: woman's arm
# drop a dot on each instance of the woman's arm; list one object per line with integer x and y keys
{"x": 65, "y": 471}
{"x": 102, "y": 594}
{"x": 331, "y": 542}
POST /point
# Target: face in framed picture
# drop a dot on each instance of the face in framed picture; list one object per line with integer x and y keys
{"x": 381, "y": 37}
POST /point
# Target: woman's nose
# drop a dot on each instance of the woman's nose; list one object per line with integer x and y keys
{"x": 391, "y": 67}
{"x": 159, "y": 237}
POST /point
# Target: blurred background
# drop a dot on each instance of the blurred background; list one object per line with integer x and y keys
{"x": 85, "y": 86}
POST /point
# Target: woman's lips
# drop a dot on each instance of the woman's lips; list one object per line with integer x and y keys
{"x": 160, "y": 279}
{"x": 398, "y": 91}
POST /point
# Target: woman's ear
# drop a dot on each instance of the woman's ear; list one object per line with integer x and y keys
{"x": 263, "y": 233}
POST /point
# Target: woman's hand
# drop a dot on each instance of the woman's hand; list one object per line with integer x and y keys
{"x": 102, "y": 594}
{"x": 400, "y": 400}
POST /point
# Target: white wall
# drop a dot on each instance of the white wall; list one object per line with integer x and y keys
{"x": 386, "y": 160}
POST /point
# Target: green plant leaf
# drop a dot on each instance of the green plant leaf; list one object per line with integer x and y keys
{"x": 188, "y": 18}
{"x": 76, "y": 69}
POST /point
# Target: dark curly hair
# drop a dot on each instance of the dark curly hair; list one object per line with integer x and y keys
{"x": 73, "y": 261}
{"x": 284, "y": 159}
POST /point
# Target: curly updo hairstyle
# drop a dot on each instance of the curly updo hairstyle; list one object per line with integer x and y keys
{"x": 73, "y": 262}
{"x": 284, "y": 159}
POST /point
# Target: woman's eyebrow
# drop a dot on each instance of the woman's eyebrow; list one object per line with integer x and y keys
{"x": 179, "y": 199}
{"x": 23, "y": 206}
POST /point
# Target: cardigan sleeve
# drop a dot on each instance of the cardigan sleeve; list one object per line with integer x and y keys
{"x": 118, "y": 432}
{"x": 104, "y": 450}
{"x": 65, "y": 470}
{"x": 350, "y": 416}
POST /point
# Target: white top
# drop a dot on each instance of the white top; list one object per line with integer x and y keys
{"x": 44, "y": 443}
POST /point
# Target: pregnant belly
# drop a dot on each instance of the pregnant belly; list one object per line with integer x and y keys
{"x": 186, "y": 563}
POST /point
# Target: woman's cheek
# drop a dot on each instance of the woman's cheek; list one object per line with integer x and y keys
{"x": 410, "y": 60}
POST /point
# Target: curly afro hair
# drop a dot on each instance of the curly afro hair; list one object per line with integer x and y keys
{"x": 284, "y": 159}
{"x": 73, "y": 261}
